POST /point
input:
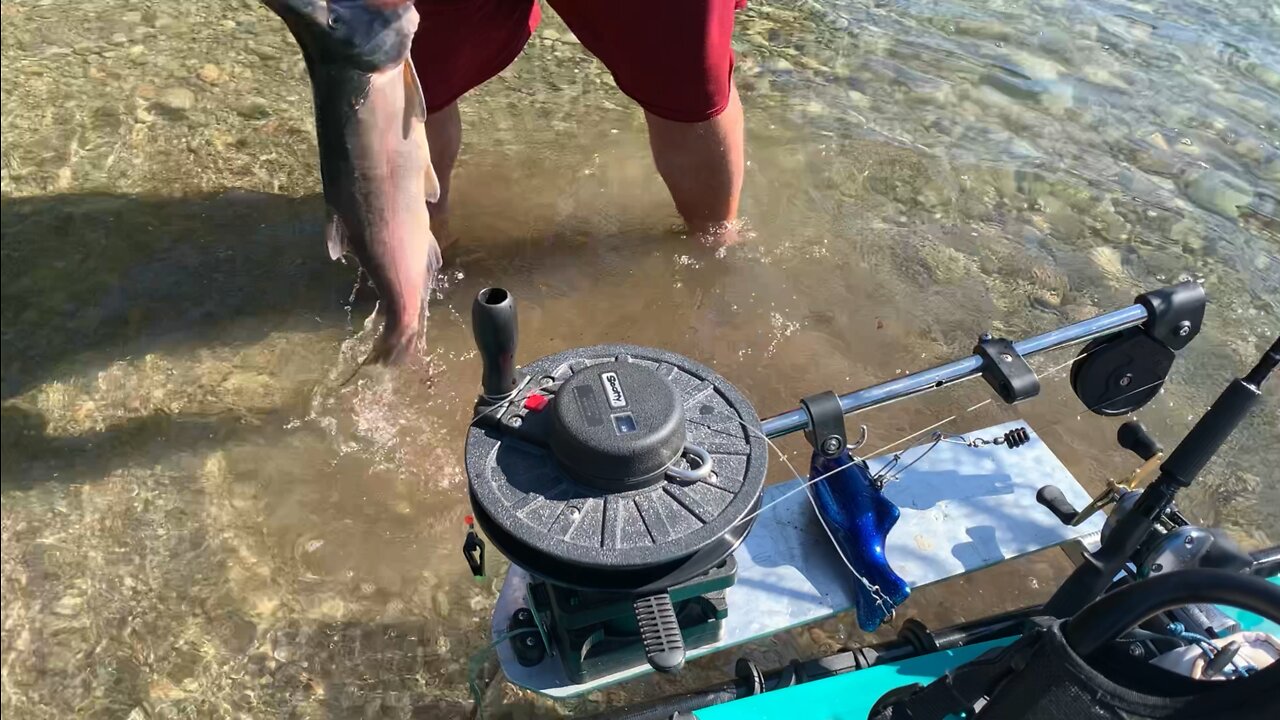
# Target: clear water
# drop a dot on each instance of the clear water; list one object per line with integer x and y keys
{"x": 199, "y": 522}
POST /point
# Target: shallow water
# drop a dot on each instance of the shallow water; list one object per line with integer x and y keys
{"x": 197, "y": 520}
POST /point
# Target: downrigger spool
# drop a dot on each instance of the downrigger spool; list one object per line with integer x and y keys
{"x": 621, "y": 478}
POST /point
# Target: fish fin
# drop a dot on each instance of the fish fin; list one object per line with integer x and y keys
{"x": 431, "y": 184}
{"x": 389, "y": 350}
{"x": 435, "y": 260}
{"x": 413, "y": 89}
{"x": 393, "y": 349}
{"x": 335, "y": 236}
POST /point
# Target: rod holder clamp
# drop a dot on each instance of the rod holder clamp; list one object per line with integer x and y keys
{"x": 1006, "y": 371}
{"x": 825, "y": 430}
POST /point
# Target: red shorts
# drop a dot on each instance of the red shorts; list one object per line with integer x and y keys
{"x": 673, "y": 57}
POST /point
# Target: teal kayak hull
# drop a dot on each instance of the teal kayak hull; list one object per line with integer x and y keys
{"x": 847, "y": 696}
{"x": 850, "y": 696}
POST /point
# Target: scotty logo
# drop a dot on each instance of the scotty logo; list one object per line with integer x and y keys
{"x": 613, "y": 389}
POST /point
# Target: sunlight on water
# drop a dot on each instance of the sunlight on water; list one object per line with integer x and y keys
{"x": 201, "y": 520}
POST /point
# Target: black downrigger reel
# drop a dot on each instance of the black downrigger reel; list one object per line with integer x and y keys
{"x": 621, "y": 478}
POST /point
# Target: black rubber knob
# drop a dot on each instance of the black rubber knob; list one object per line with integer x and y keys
{"x": 493, "y": 323}
{"x": 526, "y": 641}
{"x": 1133, "y": 437}
{"x": 1219, "y": 662}
{"x": 1051, "y": 497}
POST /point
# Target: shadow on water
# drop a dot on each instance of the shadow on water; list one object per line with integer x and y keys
{"x": 99, "y": 273}
{"x": 99, "y": 278}
{"x": 91, "y": 280}
{"x": 31, "y": 453}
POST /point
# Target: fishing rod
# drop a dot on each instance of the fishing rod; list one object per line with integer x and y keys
{"x": 915, "y": 639}
{"x": 1099, "y": 568}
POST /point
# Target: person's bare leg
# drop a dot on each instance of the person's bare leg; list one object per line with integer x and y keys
{"x": 444, "y": 134}
{"x": 702, "y": 165}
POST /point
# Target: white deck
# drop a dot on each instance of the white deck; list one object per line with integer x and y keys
{"x": 963, "y": 509}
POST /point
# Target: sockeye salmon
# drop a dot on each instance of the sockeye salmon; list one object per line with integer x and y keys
{"x": 375, "y": 164}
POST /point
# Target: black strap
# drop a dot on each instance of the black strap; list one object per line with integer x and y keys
{"x": 958, "y": 692}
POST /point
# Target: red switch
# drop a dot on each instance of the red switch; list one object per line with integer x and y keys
{"x": 535, "y": 403}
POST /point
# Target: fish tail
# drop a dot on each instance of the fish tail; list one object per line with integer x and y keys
{"x": 396, "y": 346}
{"x": 387, "y": 350}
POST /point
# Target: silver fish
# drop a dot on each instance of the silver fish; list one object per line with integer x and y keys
{"x": 374, "y": 161}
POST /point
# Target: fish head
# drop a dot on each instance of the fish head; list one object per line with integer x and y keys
{"x": 366, "y": 35}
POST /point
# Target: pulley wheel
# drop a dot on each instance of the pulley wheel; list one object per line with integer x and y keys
{"x": 1117, "y": 374}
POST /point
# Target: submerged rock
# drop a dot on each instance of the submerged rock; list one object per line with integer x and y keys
{"x": 254, "y": 108}
{"x": 946, "y": 264}
{"x": 177, "y": 99}
{"x": 211, "y": 74}
{"x": 1217, "y": 192}
{"x": 1014, "y": 84}
{"x": 1109, "y": 261}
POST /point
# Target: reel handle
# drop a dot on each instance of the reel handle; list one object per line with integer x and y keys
{"x": 1052, "y": 498}
{"x": 494, "y": 326}
{"x": 1133, "y": 436}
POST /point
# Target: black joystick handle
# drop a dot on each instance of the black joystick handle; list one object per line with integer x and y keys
{"x": 1133, "y": 437}
{"x": 1051, "y": 497}
{"x": 493, "y": 323}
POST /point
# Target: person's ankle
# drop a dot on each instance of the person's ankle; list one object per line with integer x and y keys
{"x": 718, "y": 234}
{"x": 440, "y": 225}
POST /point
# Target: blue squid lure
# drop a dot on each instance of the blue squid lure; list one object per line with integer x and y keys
{"x": 859, "y": 518}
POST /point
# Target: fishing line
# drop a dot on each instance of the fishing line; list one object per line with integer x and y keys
{"x": 925, "y": 430}
{"x": 805, "y": 485}
{"x": 944, "y": 437}
{"x": 498, "y": 403}
{"x": 1047, "y": 373}
{"x": 883, "y": 476}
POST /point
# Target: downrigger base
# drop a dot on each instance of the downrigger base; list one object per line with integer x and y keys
{"x": 595, "y": 634}
{"x": 620, "y": 478}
